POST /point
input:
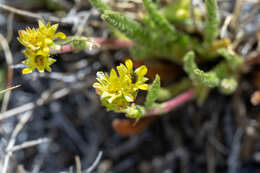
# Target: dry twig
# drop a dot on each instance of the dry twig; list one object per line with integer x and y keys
{"x": 46, "y": 97}
{"x": 9, "y": 61}
{"x": 23, "y": 120}
{"x": 28, "y": 144}
{"x": 9, "y": 89}
{"x": 28, "y": 14}
{"x": 95, "y": 163}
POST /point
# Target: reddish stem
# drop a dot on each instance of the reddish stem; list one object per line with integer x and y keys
{"x": 254, "y": 60}
{"x": 113, "y": 42}
{"x": 100, "y": 41}
{"x": 63, "y": 49}
{"x": 171, "y": 104}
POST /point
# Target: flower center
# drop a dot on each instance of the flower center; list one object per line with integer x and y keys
{"x": 39, "y": 60}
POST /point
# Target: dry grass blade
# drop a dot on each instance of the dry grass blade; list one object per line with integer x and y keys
{"x": 95, "y": 163}
{"x": 9, "y": 89}
{"x": 46, "y": 97}
{"x": 23, "y": 120}
{"x": 78, "y": 164}
{"x": 9, "y": 61}
{"x": 236, "y": 14}
{"x": 27, "y": 13}
{"x": 28, "y": 144}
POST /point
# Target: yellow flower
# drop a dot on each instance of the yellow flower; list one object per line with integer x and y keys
{"x": 31, "y": 38}
{"x": 39, "y": 60}
{"x": 48, "y": 31}
{"x": 38, "y": 42}
{"x": 137, "y": 77}
{"x": 117, "y": 91}
{"x": 40, "y": 37}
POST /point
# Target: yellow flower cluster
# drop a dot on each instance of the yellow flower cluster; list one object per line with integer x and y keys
{"x": 117, "y": 91}
{"x": 38, "y": 42}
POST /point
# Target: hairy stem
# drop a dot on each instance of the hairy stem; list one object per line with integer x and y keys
{"x": 62, "y": 49}
{"x": 171, "y": 104}
{"x": 113, "y": 42}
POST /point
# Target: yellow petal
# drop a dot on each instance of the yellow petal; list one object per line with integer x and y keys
{"x": 129, "y": 97}
{"x": 111, "y": 99}
{"x": 31, "y": 46}
{"x": 60, "y": 35}
{"x": 104, "y": 95}
{"x": 46, "y": 50}
{"x": 27, "y": 70}
{"x": 113, "y": 75}
{"x": 122, "y": 70}
{"x": 48, "y": 68}
{"x": 143, "y": 87}
{"x": 41, "y": 25}
{"x": 43, "y": 52}
{"x": 54, "y": 28}
{"x": 141, "y": 71}
{"x": 51, "y": 61}
{"x": 129, "y": 65}
{"x": 40, "y": 69}
{"x": 97, "y": 85}
{"x": 48, "y": 25}
{"x": 102, "y": 81}
{"x": 48, "y": 41}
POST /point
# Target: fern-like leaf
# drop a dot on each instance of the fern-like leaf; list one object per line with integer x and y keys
{"x": 100, "y": 6}
{"x": 160, "y": 21}
{"x": 208, "y": 79}
{"x": 127, "y": 26}
{"x": 233, "y": 60}
{"x": 212, "y": 21}
{"x": 153, "y": 92}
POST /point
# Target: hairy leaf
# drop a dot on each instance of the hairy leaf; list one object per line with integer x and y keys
{"x": 212, "y": 21}
{"x": 153, "y": 93}
{"x": 208, "y": 79}
{"x": 233, "y": 60}
{"x": 100, "y": 6}
{"x": 127, "y": 26}
{"x": 160, "y": 21}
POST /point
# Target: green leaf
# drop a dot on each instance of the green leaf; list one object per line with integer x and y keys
{"x": 209, "y": 79}
{"x": 160, "y": 21}
{"x": 82, "y": 43}
{"x": 153, "y": 93}
{"x": 221, "y": 70}
{"x": 178, "y": 10}
{"x": 233, "y": 60}
{"x": 100, "y": 6}
{"x": 127, "y": 26}
{"x": 212, "y": 21}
